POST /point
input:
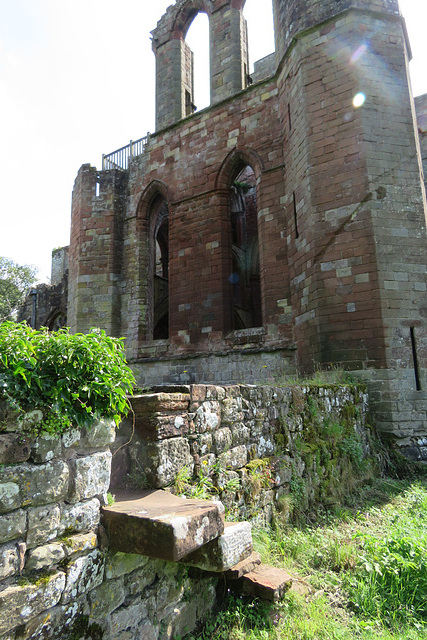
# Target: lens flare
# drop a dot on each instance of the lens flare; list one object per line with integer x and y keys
{"x": 359, "y": 100}
{"x": 358, "y": 53}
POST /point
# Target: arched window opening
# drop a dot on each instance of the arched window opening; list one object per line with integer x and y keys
{"x": 245, "y": 277}
{"x": 198, "y": 65}
{"x": 161, "y": 270}
{"x": 259, "y": 16}
{"x": 56, "y": 321}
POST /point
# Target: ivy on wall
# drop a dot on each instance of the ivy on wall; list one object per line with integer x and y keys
{"x": 62, "y": 379}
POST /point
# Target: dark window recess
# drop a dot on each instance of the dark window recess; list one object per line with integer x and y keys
{"x": 295, "y": 216}
{"x": 289, "y": 117}
{"x": 245, "y": 275}
{"x": 415, "y": 359}
{"x": 161, "y": 273}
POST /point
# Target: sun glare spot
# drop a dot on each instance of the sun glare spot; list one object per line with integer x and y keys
{"x": 358, "y": 53}
{"x": 359, "y": 100}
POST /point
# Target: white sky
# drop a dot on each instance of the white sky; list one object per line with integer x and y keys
{"x": 76, "y": 81}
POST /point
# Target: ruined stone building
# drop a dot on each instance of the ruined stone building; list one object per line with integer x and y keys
{"x": 280, "y": 229}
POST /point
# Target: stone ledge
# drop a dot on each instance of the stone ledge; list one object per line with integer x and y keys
{"x": 160, "y": 525}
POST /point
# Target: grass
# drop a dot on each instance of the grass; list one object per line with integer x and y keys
{"x": 365, "y": 567}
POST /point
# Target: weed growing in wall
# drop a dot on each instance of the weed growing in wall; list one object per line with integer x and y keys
{"x": 66, "y": 379}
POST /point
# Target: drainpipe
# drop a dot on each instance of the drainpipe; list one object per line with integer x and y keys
{"x": 33, "y": 294}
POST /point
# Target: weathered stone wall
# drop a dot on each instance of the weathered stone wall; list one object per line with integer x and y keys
{"x": 51, "y": 306}
{"x": 57, "y": 578}
{"x": 59, "y": 264}
{"x": 264, "y": 68}
{"x": 263, "y": 448}
{"x": 341, "y": 260}
{"x": 228, "y": 55}
{"x": 421, "y": 111}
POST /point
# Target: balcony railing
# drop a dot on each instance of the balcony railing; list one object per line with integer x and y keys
{"x": 120, "y": 158}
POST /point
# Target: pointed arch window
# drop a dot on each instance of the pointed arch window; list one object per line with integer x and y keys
{"x": 245, "y": 277}
{"x": 197, "y": 71}
{"x": 160, "y": 269}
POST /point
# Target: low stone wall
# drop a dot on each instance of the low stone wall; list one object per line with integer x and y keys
{"x": 259, "y": 449}
{"x": 57, "y": 578}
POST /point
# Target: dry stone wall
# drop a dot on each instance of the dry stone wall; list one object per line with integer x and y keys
{"x": 57, "y": 578}
{"x": 259, "y": 449}
{"x": 262, "y": 450}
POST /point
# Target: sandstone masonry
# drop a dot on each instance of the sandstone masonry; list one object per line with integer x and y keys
{"x": 270, "y": 448}
{"x": 280, "y": 228}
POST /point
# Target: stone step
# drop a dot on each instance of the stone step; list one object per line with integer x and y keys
{"x": 264, "y": 582}
{"x": 229, "y": 549}
{"x": 242, "y": 568}
{"x": 158, "y": 524}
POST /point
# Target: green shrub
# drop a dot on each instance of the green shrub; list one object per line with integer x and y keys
{"x": 72, "y": 379}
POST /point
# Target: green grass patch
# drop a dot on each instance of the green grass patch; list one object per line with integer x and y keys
{"x": 364, "y": 566}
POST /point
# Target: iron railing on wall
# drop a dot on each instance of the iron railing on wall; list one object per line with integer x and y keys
{"x": 120, "y": 158}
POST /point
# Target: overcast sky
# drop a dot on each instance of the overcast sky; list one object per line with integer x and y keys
{"x": 77, "y": 81}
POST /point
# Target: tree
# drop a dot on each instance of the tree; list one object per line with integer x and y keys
{"x": 15, "y": 280}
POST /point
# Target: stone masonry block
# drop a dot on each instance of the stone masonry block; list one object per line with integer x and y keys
{"x": 101, "y": 434}
{"x": 160, "y": 525}
{"x": 161, "y": 461}
{"x": 83, "y": 575}
{"x": 120, "y": 564}
{"x": 223, "y": 440}
{"x": 9, "y": 560}
{"x": 29, "y": 485}
{"x": 9, "y": 497}
{"x": 233, "y": 546}
{"x": 13, "y": 525}
{"x": 82, "y": 516}
{"x": 18, "y": 604}
{"x": 45, "y": 557}
{"x": 234, "y": 459}
{"x": 208, "y": 416}
{"x": 45, "y": 448}
{"x": 14, "y": 448}
{"x": 80, "y": 543}
{"x": 128, "y": 618}
{"x": 90, "y": 476}
{"x": 106, "y": 598}
{"x": 43, "y": 524}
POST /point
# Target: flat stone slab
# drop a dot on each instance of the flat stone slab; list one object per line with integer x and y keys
{"x": 158, "y": 524}
{"x": 233, "y": 546}
{"x": 266, "y": 583}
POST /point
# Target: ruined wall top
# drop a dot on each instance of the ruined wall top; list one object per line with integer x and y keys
{"x": 178, "y": 17}
{"x": 229, "y": 62}
{"x": 293, "y": 16}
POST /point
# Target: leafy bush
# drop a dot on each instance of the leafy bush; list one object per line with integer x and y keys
{"x": 72, "y": 379}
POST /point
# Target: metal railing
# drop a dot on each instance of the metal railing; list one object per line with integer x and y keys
{"x": 120, "y": 158}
